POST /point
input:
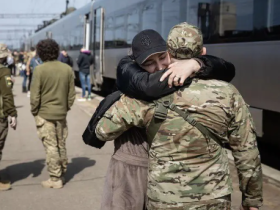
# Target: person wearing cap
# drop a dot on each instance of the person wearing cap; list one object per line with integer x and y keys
{"x": 188, "y": 164}
{"x": 7, "y": 106}
{"x": 131, "y": 148}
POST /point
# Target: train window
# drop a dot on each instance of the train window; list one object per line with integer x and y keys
{"x": 133, "y": 25}
{"x": 150, "y": 17}
{"x": 273, "y": 20}
{"x": 199, "y": 14}
{"x": 170, "y": 16}
{"x": 109, "y": 32}
{"x": 97, "y": 30}
{"x": 120, "y": 31}
{"x": 234, "y": 20}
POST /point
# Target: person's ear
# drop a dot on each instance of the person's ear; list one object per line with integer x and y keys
{"x": 203, "y": 51}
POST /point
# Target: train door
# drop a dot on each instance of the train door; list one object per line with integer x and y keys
{"x": 87, "y": 31}
{"x": 98, "y": 47}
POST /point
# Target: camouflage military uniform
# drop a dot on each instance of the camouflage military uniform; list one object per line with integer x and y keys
{"x": 187, "y": 170}
{"x": 53, "y": 134}
{"x": 183, "y": 166}
{"x": 7, "y": 107}
{"x": 51, "y": 99}
{"x": 185, "y": 41}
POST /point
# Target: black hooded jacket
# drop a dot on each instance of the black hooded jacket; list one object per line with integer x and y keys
{"x": 137, "y": 83}
{"x": 84, "y": 62}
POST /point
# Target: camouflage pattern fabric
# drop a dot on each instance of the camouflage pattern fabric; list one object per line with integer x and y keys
{"x": 3, "y": 133}
{"x": 7, "y": 105}
{"x": 185, "y": 41}
{"x": 184, "y": 167}
{"x": 53, "y": 135}
{"x": 4, "y": 52}
{"x": 223, "y": 203}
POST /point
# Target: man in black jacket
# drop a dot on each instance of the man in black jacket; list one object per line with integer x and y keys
{"x": 65, "y": 58}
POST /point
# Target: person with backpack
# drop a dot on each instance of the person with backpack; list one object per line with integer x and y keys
{"x": 35, "y": 61}
{"x": 186, "y": 132}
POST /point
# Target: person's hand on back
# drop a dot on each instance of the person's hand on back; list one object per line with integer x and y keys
{"x": 179, "y": 71}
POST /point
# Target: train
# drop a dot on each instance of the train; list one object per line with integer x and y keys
{"x": 244, "y": 32}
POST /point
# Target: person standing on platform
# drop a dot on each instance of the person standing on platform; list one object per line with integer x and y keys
{"x": 52, "y": 96}
{"x": 84, "y": 62}
{"x": 65, "y": 58}
{"x": 187, "y": 130}
{"x": 29, "y": 70}
{"x": 7, "y": 106}
{"x": 35, "y": 61}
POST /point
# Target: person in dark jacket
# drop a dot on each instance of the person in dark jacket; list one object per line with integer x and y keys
{"x": 84, "y": 62}
{"x": 65, "y": 58}
{"x": 130, "y": 156}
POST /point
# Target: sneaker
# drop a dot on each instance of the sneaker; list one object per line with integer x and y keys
{"x": 89, "y": 98}
{"x": 52, "y": 184}
{"x": 5, "y": 185}
{"x": 28, "y": 94}
{"x": 82, "y": 99}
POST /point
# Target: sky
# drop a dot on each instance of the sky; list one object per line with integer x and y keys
{"x": 8, "y": 34}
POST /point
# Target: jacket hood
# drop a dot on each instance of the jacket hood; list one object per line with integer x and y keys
{"x": 86, "y": 52}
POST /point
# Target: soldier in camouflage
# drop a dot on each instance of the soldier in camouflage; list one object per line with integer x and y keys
{"x": 7, "y": 106}
{"x": 51, "y": 99}
{"x": 187, "y": 169}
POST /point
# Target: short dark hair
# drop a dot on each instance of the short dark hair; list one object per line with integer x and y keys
{"x": 32, "y": 49}
{"x": 48, "y": 50}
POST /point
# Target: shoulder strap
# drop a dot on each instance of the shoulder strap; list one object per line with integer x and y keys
{"x": 162, "y": 106}
{"x": 204, "y": 130}
{"x": 160, "y": 115}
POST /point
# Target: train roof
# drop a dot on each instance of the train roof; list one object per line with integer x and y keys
{"x": 65, "y": 18}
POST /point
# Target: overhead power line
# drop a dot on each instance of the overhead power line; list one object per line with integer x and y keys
{"x": 29, "y": 16}
{"x": 18, "y": 25}
{"x": 14, "y": 30}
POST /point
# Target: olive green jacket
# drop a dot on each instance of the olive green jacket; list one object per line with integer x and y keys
{"x": 7, "y": 106}
{"x": 52, "y": 90}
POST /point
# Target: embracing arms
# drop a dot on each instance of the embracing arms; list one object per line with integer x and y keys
{"x": 137, "y": 83}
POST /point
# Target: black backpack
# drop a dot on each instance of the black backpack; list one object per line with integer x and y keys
{"x": 89, "y": 135}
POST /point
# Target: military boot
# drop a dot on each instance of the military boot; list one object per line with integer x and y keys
{"x": 5, "y": 185}
{"x": 52, "y": 184}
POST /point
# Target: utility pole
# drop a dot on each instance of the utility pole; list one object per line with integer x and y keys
{"x": 67, "y": 2}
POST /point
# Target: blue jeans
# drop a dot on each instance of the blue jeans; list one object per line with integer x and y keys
{"x": 85, "y": 80}
{"x": 24, "y": 79}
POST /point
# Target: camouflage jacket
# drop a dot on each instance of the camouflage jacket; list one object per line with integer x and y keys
{"x": 183, "y": 165}
{"x": 7, "y": 106}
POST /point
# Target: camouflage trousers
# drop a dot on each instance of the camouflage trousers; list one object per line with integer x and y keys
{"x": 3, "y": 133}
{"x": 223, "y": 203}
{"x": 53, "y": 134}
